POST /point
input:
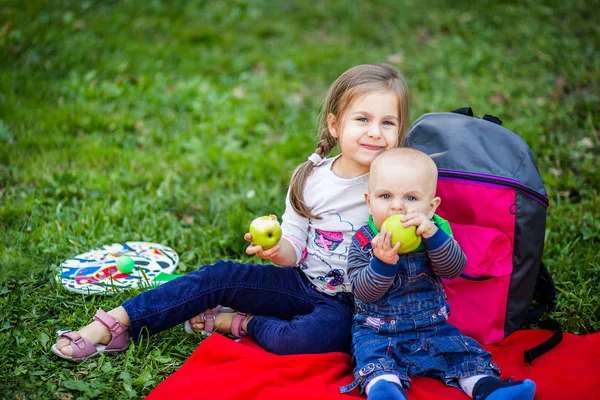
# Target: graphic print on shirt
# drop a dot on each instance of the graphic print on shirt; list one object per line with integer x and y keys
{"x": 328, "y": 241}
{"x": 334, "y": 277}
{"x": 327, "y": 249}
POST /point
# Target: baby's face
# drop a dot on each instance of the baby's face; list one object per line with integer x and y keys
{"x": 398, "y": 189}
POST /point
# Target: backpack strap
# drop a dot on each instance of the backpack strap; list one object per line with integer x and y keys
{"x": 544, "y": 299}
{"x": 493, "y": 119}
{"x": 544, "y": 296}
{"x": 468, "y": 111}
{"x": 546, "y": 346}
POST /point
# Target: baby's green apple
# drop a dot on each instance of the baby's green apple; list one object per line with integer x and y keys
{"x": 409, "y": 241}
{"x": 265, "y": 231}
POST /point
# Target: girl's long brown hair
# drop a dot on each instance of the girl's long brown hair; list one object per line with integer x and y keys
{"x": 355, "y": 82}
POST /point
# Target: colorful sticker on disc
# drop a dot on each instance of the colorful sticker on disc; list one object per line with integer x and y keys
{"x": 96, "y": 271}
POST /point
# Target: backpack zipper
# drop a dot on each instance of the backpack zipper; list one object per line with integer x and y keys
{"x": 495, "y": 180}
{"x": 476, "y": 278}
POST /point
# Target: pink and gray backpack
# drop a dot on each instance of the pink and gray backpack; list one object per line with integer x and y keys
{"x": 493, "y": 196}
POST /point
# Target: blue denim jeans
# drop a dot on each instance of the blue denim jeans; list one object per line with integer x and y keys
{"x": 291, "y": 316}
{"x": 405, "y": 333}
{"x": 439, "y": 352}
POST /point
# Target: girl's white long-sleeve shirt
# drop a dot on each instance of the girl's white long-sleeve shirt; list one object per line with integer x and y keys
{"x": 322, "y": 245}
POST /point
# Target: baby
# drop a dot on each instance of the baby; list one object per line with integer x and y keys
{"x": 400, "y": 321}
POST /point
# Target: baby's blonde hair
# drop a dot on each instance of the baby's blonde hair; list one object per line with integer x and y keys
{"x": 406, "y": 156}
{"x": 352, "y": 84}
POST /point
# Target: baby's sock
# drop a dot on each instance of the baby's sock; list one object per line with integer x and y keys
{"x": 467, "y": 384}
{"x": 491, "y": 388}
{"x": 386, "y": 390}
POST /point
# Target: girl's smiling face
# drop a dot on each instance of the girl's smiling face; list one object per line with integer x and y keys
{"x": 369, "y": 125}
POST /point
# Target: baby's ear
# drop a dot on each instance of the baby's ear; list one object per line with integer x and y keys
{"x": 435, "y": 203}
{"x": 332, "y": 125}
{"x": 368, "y": 200}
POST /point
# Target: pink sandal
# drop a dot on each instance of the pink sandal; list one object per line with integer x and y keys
{"x": 236, "y": 325}
{"x": 83, "y": 349}
{"x": 209, "y": 316}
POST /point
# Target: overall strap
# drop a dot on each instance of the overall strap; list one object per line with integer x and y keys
{"x": 362, "y": 239}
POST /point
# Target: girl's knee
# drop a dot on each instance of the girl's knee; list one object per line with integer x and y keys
{"x": 217, "y": 270}
{"x": 290, "y": 341}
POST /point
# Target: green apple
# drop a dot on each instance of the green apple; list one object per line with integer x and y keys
{"x": 265, "y": 231}
{"x": 409, "y": 241}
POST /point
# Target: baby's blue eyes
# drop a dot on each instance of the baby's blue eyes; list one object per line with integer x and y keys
{"x": 387, "y": 197}
{"x": 362, "y": 119}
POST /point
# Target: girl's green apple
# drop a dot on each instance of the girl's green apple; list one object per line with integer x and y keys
{"x": 265, "y": 231}
{"x": 409, "y": 241}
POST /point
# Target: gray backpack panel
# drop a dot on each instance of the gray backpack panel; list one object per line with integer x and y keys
{"x": 461, "y": 143}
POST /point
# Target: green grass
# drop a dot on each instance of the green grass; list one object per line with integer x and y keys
{"x": 178, "y": 122}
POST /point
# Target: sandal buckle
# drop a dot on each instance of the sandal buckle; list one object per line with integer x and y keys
{"x": 79, "y": 342}
{"x": 115, "y": 326}
{"x": 236, "y": 326}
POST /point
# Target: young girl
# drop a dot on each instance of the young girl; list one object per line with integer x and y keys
{"x": 306, "y": 308}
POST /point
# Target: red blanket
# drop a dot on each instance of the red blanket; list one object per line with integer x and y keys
{"x": 221, "y": 368}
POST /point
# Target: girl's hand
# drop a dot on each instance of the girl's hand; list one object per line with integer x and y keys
{"x": 382, "y": 247}
{"x": 270, "y": 254}
{"x": 425, "y": 227}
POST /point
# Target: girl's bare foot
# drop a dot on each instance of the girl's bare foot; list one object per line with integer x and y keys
{"x": 94, "y": 332}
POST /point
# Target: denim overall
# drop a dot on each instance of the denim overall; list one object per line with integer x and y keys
{"x": 405, "y": 333}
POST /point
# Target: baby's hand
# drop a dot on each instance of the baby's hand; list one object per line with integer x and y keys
{"x": 382, "y": 247}
{"x": 258, "y": 250}
{"x": 425, "y": 227}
